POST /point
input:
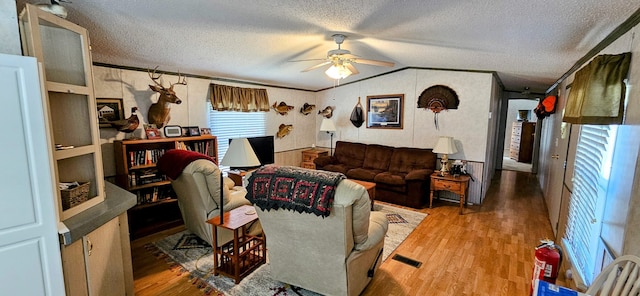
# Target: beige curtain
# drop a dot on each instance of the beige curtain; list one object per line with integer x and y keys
{"x": 597, "y": 92}
{"x": 231, "y": 98}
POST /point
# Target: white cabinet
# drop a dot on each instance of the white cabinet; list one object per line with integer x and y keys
{"x": 94, "y": 265}
{"x": 69, "y": 104}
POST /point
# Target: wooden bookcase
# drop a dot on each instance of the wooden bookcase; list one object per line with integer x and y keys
{"x": 157, "y": 207}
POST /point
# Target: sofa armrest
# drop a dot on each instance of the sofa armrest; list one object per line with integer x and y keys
{"x": 419, "y": 175}
{"x": 378, "y": 226}
{"x": 322, "y": 161}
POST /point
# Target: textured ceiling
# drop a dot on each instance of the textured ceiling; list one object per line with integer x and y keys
{"x": 528, "y": 43}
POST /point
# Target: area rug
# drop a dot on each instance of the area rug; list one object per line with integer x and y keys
{"x": 185, "y": 252}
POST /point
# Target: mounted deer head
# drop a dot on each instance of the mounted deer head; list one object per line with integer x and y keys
{"x": 159, "y": 111}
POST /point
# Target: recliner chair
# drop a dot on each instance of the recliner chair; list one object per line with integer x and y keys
{"x": 334, "y": 255}
{"x": 197, "y": 187}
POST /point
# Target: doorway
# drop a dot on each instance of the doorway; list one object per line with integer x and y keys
{"x": 519, "y": 134}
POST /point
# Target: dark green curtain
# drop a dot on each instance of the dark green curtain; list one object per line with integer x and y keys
{"x": 597, "y": 92}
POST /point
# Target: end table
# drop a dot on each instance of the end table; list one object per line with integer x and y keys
{"x": 242, "y": 255}
{"x": 458, "y": 185}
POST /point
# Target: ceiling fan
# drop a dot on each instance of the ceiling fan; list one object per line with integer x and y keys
{"x": 341, "y": 61}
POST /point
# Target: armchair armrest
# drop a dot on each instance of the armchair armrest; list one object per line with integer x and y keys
{"x": 324, "y": 160}
{"x": 418, "y": 175}
{"x": 378, "y": 226}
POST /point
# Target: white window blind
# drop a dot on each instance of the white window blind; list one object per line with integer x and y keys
{"x": 590, "y": 181}
{"x": 232, "y": 124}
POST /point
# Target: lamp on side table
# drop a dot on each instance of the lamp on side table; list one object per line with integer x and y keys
{"x": 445, "y": 146}
{"x": 239, "y": 154}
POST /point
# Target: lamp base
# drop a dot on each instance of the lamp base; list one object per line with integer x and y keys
{"x": 444, "y": 166}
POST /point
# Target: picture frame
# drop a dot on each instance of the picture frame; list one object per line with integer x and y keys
{"x": 385, "y": 111}
{"x": 193, "y": 131}
{"x": 172, "y": 131}
{"x": 185, "y": 131}
{"x": 109, "y": 109}
{"x": 205, "y": 131}
{"x": 151, "y": 131}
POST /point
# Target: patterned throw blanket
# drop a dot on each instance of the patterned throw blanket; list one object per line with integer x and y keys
{"x": 293, "y": 188}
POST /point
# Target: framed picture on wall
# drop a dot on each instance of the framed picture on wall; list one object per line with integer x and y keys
{"x": 109, "y": 110}
{"x": 385, "y": 111}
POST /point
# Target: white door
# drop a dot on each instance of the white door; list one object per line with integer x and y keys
{"x": 29, "y": 247}
{"x": 556, "y": 159}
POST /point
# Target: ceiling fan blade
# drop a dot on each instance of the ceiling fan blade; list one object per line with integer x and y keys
{"x": 373, "y": 62}
{"x": 316, "y": 66}
{"x": 352, "y": 68}
{"x": 307, "y": 60}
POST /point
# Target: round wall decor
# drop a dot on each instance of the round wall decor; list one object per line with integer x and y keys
{"x": 437, "y": 98}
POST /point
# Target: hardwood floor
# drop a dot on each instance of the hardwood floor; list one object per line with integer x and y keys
{"x": 487, "y": 251}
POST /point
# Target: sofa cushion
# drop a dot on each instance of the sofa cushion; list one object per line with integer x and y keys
{"x": 338, "y": 168}
{"x": 350, "y": 154}
{"x": 405, "y": 160}
{"x": 362, "y": 174}
{"x": 377, "y": 157}
{"x": 396, "y": 179}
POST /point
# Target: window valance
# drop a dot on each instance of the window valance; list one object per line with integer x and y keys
{"x": 231, "y": 98}
{"x": 598, "y": 90}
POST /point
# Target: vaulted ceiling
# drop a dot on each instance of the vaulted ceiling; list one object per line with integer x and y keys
{"x": 527, "y": 43}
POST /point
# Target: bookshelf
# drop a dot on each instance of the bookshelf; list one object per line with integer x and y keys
{"x": 157, "y": 208}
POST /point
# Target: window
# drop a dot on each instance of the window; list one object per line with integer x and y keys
{"x": 590, "y": 181}
{"x": 232, "y": 124}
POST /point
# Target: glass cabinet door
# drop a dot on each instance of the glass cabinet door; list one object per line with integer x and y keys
{"x": 63, "y": 50}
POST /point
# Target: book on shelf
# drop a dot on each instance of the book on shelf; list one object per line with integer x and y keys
{"x": 155, "y": 194}
{"x": 145, "y": 157}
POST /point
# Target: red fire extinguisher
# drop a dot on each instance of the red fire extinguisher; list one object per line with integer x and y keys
{"x": 548, "y": 258}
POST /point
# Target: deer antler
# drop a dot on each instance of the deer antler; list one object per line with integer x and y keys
{"x": 183, "y": 82}
{"x": 155, "y": 79}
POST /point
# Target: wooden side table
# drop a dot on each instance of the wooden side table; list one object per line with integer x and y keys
{"x": 242, "y": 255}
{"x": 309, "y": 155}
{"x": 458, "y": 185}
{"x": 371, "y": 189}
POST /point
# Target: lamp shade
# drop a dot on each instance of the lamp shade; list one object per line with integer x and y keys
{"x": 240, "y": 154}
{"x": 445, "y": 145}
{"x": 327, "y": 125}
{"x": 338, "y": 71}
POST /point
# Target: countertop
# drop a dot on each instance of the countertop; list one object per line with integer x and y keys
{"x": 117, "y": 201}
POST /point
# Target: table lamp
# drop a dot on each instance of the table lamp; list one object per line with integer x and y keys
{"x": 239, "y": 154}
{"x": 328, "y": 126}
{"x": 445, "y": 146}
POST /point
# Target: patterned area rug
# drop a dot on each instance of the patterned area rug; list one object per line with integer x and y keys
{"x": 185, "y": 252}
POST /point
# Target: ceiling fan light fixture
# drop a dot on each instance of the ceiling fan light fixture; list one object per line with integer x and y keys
{"x": 338, "y": 72}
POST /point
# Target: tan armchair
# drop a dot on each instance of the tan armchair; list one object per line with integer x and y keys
{"x": 196, "y": 181}
{"x": 335, "y": 255}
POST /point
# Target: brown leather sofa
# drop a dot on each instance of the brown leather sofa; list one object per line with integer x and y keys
{"x": 402, "y": 175}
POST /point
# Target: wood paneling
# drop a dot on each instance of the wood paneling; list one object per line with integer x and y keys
{"x": 487, "y": 251}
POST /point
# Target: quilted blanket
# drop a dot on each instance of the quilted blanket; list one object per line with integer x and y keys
{"x": 293, "y": 188}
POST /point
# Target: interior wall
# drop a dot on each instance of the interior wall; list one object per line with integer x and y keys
{"x": 9, "y": 33}
{"x": 470, "y": 124}
{"x": 133, "y": 87}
